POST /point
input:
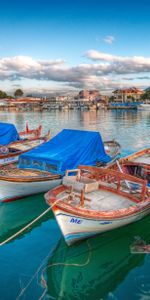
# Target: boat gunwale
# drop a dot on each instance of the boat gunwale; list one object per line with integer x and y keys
{"x": 19, "y": 152}
{"x": 134, "y": 155}
{"x": 51, "y": 198}
{"x": 47, "y": 176}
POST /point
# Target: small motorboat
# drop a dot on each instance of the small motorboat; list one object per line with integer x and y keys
{"x": 113, "y": 149}
{"x": 94, "y": 200}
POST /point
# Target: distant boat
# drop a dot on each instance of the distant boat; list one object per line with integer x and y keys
{"x": 94, "y": 200}
{"x": 43, "y": 167}
{"x": 144, "y": 106}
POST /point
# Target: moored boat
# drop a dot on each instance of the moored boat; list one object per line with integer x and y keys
{"x": 145, "y": 106}
{"x": 66, "y": 150}
{"x": 17, "y": 183}
{"x": 31, "y": 133}
{"x": 137, "y": 169}
{"x": 91, "y": 203}
{"x": 141, "y": 156}
{"x": 113, "y": 149}
{"x": 10, "y": 154}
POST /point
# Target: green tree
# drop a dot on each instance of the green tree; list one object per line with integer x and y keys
{"x": 18, "y": 93}
{"x": 111, "y": 98}
{"x": 146, "y": 96}
{"x": 3, "y": 95}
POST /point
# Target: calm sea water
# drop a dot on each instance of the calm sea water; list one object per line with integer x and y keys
{"x": 38, "y": 264}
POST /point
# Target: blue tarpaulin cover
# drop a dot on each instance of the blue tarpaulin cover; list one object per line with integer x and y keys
{"x": 66, "y": 150}
{"x": 8, "y": 134}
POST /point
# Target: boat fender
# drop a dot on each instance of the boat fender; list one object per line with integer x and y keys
{"x": 4, "y": 150}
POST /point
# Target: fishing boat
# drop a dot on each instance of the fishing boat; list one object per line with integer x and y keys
{"x": 9, "y": 133}
{"x": 141, "y": 156}
{"x": 17, "y": 183}
{"x": 10, "y": 154}
{"x": 31, "y": 133}
{"x": 137, "y": 169}
{"x": 43, "y": 167}
{"x": 94, "y": 200}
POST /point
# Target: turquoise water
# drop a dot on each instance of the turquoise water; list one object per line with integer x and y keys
{"x": 38, "y": 264}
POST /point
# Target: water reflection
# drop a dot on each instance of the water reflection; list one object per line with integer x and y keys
{"x": 129, "y": 127}
{"x": 109, "y": 267}
{"x": 15, "y": 215}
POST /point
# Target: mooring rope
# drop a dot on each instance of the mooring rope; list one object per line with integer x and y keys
{"x": 28, "y": 225}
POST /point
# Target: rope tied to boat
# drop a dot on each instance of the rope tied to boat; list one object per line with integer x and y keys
{"x": 29, "y": 224}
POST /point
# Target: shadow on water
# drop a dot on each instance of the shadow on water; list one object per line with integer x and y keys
{"x": 17, "y": 214}
{"x": 102, "y": 264}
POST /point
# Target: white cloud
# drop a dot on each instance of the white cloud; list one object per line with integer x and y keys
{"x": 106, "y": 71}
{"x": 109, "y": 39}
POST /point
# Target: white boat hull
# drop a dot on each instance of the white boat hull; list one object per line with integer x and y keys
{"x": 11, "y": 190}
{"x": 75, "y": 228}
{"x": 8, "y": 160}
{"x": 144, "y": 106}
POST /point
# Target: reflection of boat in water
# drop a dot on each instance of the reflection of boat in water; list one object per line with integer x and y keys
{"x": 14, "y": 216}
{"x": 95, "y": 269}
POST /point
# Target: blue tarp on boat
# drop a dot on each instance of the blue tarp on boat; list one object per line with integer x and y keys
{"x": 65, "y": 151}
{"x": 8, "y": 133}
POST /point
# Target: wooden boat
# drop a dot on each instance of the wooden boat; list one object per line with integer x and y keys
{"x": 141, "y": 156}
{"x": 113, "y": 149}
{"x": 133, "y": 168}
{"x": 136, "y": 164}
{"x": 10, "y": 154}
{"x": 17, "y": 183}
{"x": 91, "y": 203}
{"x": 31, "y": 133}
{"x": 67, "y": 149}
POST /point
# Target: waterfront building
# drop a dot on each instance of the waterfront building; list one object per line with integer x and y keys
{"x": 127, "y": 95}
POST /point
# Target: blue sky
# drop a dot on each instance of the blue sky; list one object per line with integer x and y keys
{"x": 61, "y": 46}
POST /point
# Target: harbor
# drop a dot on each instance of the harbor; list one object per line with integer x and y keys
{"x": 38, "y": 257}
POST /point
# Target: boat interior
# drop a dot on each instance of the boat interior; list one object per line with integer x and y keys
{"x": 137, "y": 169}
{"x": 9, "y": 172}
{"x": 104, "y": 190}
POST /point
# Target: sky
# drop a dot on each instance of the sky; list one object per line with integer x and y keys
{"x": 65, "y": 46}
